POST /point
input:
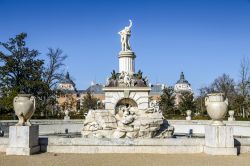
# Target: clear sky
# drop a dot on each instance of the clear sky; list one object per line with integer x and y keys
{"x": 203, "y": 38}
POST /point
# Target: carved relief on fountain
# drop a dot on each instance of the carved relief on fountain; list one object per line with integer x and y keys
{"x": 125, "y": 79}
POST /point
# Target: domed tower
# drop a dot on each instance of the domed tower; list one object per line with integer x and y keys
{"x": 181, "y": 86}
{"x": 67, "y": 84}
{"x": 67, "y": 95}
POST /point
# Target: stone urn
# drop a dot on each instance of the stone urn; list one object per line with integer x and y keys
{"x": 66, "y": 117}
{"x": 67, "y": 113}
{"x": 188, "y": 112}
{"x": 24, "y": 106}
{"x": 231, "y": 115}
{"x": 217, "y": 107}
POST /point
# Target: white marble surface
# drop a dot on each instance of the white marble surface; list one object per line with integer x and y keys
{"x": 138, "y": 94}
{"x": 219, "y": 140}
{"x": 157, "y": 146}
{"x": 170, "y": 145}
{"x": 125, "y": 36}
{"x": 241, "y": 128}
{"x": 23, "y": 140}
{"x": 127, "y": 62}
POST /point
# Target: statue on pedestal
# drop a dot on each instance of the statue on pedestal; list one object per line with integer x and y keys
{"x": 125, "y": 35}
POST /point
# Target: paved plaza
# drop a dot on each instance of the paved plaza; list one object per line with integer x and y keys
{"x": 51, "y": 159}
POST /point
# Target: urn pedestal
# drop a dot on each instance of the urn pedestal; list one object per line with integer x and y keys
{"x": 23, "y": 140}
{"x": 219, "y": 140}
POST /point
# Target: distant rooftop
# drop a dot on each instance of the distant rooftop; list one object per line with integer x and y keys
{"x": 67, "y": 80}
{"x": 95, "y": 89}
{"x": 156, "y": 89}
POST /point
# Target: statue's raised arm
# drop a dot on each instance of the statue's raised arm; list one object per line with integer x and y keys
{"x": 130, "y": 24}
{"x": 125, "y": 34}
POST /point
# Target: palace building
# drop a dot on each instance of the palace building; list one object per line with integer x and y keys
{"x": 71, "y": 96}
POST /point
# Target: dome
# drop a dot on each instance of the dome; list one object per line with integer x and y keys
{"x": 182, "y": 79}
{"x": 182, "y": 84}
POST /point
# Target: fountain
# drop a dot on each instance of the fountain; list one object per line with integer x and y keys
{"x": 128, "y": 112}
{"x": 129, "y": 123}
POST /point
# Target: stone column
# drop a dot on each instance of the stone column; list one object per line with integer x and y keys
{"x": 219, "y": 140}
{"x": 23, "y": 140}
{"x": 126, "y": 62}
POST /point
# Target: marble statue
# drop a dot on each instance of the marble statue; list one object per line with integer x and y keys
{"x": 128, "y": 116}
{"x": 125, "y": 35}
{"x": 121, "y": 78}
{"x": 125, "y": 79}
{"x": 153, "y": 107}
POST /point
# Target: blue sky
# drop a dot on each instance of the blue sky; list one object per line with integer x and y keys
{"x": 203, "y": 38}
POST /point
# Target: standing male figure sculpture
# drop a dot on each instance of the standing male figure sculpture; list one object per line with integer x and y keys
{"x": 125, "y": 35}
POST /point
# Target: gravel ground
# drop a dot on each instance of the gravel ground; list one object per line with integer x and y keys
{"x": 51, "y": 159}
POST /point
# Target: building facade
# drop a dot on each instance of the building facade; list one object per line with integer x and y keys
{"x": 72, "y": 99}
{"x": 67, "y": 96}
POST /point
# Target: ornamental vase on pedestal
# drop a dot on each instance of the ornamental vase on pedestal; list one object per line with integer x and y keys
{"x": 24, "y": 106}
{"x": 217, "y": 107}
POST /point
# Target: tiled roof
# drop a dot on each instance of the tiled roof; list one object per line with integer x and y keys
{"x": 98, "y": 89}
{"x": 95, "y": 89}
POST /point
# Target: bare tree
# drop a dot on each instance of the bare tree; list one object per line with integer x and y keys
{"x": 200, "y": 99}
{"x": 53, "y": 72}
{"x": 224, "y": 84}
{"x": 244, "y": 77}
{"x": 244, "y": 84}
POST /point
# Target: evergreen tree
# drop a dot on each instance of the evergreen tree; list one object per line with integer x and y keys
{"x": 167, "y": 101}
{"x": 89, "y": 102}
{"x": 20, "y": 71}
{"x": 187, "y": 102}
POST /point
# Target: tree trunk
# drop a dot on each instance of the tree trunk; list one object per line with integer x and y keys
{"x": 243, "y": 112}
